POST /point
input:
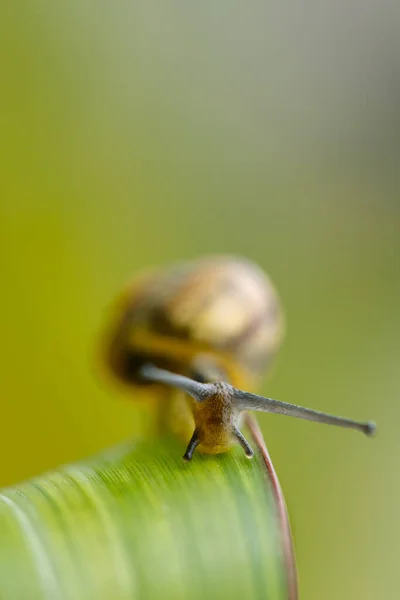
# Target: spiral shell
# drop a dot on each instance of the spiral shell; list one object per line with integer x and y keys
{"x": 208, "y": 318}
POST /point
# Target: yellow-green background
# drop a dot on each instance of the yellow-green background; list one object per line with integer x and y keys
{"x": 138, "y": 133}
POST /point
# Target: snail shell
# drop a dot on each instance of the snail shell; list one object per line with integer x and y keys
{"x": 207, "y": 318}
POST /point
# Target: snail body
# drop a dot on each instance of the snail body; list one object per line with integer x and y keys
{"x": 195, "y": 334}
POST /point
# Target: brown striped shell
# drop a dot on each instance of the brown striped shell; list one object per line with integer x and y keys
{"x": 213, "y": 316}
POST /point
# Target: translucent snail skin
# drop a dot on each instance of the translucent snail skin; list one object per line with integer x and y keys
{"x": 204, "y": 330}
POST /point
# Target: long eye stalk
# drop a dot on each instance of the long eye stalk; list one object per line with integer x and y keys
{"x": 246, "y": 401}
{"x": 198, "y": 391}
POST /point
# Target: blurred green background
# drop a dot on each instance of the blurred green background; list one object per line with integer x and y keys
{"x": 139, "y": 133}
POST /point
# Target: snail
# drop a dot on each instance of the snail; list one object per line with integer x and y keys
{"x": 204, "y": 330}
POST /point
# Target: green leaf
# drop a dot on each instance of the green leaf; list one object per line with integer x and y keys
{"x": 138, "y": 522}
